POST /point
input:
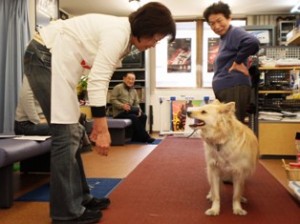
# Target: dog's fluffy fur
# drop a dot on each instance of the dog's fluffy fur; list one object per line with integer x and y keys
{"x": 231, "y": 151}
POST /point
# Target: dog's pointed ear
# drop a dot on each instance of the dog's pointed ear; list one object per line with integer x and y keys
{"x": 228, "y": 107}
{"x": 216, "y": 101}
{"x": 231, "y": 106}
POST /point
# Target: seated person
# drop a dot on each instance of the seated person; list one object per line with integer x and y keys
{"x": 30, "y": 120}
{"x": 125, "y": 104}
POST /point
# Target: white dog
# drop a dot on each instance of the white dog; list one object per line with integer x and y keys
{"x": 231, "y": 150}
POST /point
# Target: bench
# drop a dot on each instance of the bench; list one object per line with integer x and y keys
{"x": 34, "y": 156}
{"x": 120, "y": 130}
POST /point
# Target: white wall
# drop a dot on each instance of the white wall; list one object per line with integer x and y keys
{"x": 31, "y": 15}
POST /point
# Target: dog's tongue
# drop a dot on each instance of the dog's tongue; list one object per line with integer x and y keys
{"x": 197, "y": 123}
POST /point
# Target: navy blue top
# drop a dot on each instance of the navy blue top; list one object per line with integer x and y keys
{"x": 236, "y": 45}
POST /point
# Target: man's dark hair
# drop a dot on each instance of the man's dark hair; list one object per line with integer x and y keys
{"x": 217, "y": 8}
{"x": 127, "y": 73}
{"x": 150, "y": 19}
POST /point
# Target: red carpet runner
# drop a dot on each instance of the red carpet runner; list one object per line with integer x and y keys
{"x": 170, "y": 187}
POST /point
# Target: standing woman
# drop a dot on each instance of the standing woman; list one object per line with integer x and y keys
{"x": 52, "y": 64}
{"x": 231, "y": 81}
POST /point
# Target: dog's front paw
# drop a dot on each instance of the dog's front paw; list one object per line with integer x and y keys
{"x": 212, "y": 212}
{"x": 237, "y": 208}
{"x": 239, "y": 211}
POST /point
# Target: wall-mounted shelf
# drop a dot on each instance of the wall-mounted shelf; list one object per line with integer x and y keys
{"x": 279, "y": 68}
{"x": 294, "y": 40}
{"x": 277, "y": 138}
{"x": 275, "y": 91}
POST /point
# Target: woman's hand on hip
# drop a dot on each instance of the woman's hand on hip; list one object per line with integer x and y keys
{"x": 239, "y": 67}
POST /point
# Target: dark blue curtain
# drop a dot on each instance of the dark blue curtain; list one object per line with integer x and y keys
{"x": 15, "y": 34}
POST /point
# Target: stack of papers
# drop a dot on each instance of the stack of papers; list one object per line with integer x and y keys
{"x": 279, "y": 116}
{"x": 288, "y": 62}
{"x": 32, "y": 137}
{"x": 270, "y": 116}
{"x": 5, "y": 136}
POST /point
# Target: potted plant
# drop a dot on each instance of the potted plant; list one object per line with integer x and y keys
{"x": 82, "y": 88}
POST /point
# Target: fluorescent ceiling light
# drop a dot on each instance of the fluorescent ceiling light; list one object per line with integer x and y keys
{"x": 134, "y": 4}
{"x": 296, "y": 8}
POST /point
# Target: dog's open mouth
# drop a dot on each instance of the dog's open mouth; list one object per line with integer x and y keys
{"x": 197, "y": 123}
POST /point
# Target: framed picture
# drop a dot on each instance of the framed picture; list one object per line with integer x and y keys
{"x": 265, "y": 34}
{"x": 179, "y": 118}
{"x": 176, "y": 61}
{"x": 45, "y": 11}
{"x": 213, "y": 48}
{"x": 179, "y": 55}
{"x": 135, "y": 59}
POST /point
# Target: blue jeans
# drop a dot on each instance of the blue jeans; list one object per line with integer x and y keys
{"x": 29, "y": 128}
{"x": 68, "y": 186}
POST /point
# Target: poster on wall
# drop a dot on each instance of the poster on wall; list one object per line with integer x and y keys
{"x": 179, "y": 55}
{"x": 213, "y": 48}
{"x": 45, "y": 11}
{"x": 179, "y": 113}
{"x": 176, "y": 62}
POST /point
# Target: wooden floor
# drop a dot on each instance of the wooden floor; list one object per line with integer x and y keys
{"x": 120, "y": 162}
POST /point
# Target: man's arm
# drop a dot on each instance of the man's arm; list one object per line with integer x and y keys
{"x": 100, "y": 135}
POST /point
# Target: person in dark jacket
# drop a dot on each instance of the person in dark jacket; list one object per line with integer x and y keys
{"x": 231, "y": 81}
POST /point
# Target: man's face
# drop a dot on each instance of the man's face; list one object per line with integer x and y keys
{"x": 218, "y": 23}
{"x": 129, "y": 80}
{"x": 147, "y": 42}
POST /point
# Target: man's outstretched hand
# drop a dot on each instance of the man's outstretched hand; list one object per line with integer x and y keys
{"x": 100, "y": 135}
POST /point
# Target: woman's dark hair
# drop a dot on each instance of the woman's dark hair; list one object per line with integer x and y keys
{"x": 150, "y": 19}
{"x": 217, "y": 8}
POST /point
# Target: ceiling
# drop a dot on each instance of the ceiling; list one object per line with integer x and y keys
{"x": 179, "y": 8}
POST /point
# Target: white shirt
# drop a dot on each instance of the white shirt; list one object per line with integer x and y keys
{"x": 101, "y": 41}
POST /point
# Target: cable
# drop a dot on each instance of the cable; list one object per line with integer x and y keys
{"x": 192, "y": 133}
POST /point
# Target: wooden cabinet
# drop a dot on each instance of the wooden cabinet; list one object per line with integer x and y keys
{"x": 295, "y": 39}
{"x": 277, "y": 137}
